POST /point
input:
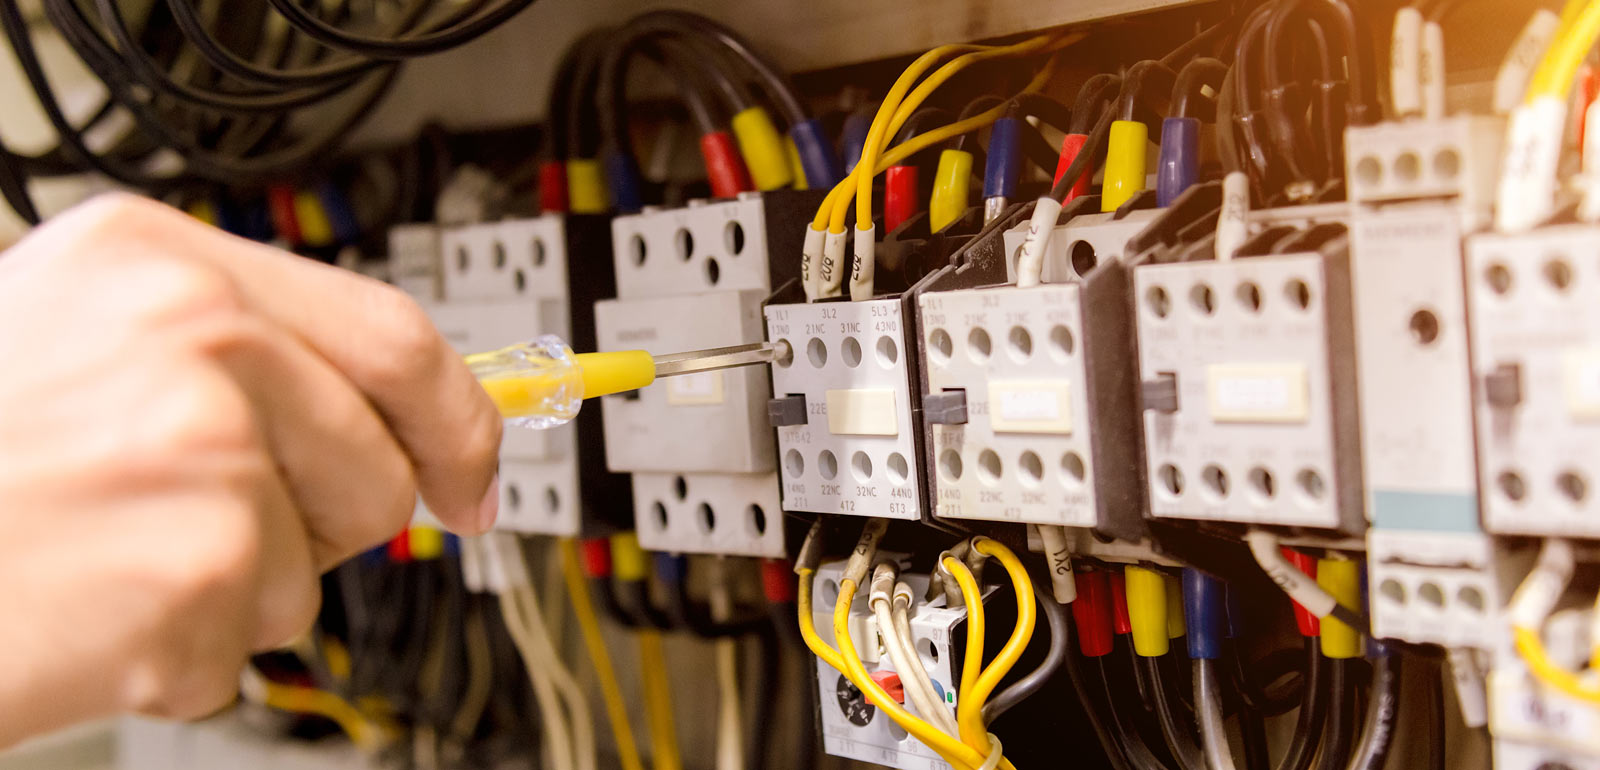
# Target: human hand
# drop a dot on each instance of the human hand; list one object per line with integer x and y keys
{"x": 193, "y": 428}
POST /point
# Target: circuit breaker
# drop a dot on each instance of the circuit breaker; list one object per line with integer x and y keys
{"x": 1248, "y": 389}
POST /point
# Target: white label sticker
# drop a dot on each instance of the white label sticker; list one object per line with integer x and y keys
{"x": 1581, "y": 373}
{"x": 1039, "y": 406}
{"x": 1258, "y": 393}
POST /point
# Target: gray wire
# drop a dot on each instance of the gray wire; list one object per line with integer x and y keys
{"x": 1208, "y": 711}
{"x": 1055, "y": 615}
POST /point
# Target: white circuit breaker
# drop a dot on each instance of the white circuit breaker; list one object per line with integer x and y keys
{"x": 1536, "y": 361}
{"x": 1433, "y": 570}
{"x": 851, "y": 726}
{"x": 1031, "y": 403}
{"x": 502, "y": 283}
{"x": 1249, "y": 390}
{"x": 698, "y": 447}
{"x": 842, "y": 405}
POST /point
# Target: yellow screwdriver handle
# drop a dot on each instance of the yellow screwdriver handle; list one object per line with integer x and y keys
{"x": 542, "y": 383}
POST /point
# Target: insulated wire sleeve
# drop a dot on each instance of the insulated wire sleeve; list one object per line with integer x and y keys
{"x": 296, "y": 699}
{"x": 1209, "y": 713}
{"x": 599, "y": 657}
{"x": 557, "y": 741}
{"x": 1383, "y": 711}
{"x": 1298, "y": 585}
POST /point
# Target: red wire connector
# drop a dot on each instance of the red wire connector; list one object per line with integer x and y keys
{"x": 596, "y": 557}
{"x": 280, "y": 205}
{"x": 1070, "y": 147}
{"x": 553, "y": 187}
{"x": 724, "y": 165}
{"x": 899, "y": 196}
{"x": 1092, "y": 612}
{"x": 399, "y": 549}
{"x": 777, "y": 580}
{"x": 1307, "y": 621}
{"x": 1119, "y": 604}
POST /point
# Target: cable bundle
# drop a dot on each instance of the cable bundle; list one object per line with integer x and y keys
{"x": 220, "y": 90}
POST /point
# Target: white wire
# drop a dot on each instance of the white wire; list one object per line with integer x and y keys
{"x": 558, "y": 738}
{"x": 1298, "y": 585}
{"x": 919, "y": 687}
{"x": 730, "y": 715}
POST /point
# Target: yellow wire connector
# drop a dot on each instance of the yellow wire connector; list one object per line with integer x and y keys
{"x": 1125, "y": 163}
{"x": 1342, "y": 579}
{"x": 762, "y": 148}
{"x": 586, "y": 186}
{"x": 1147, "y": 610}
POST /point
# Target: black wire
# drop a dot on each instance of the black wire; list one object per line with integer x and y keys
{"x": 686, "y": 613}
{"x": 1134, "y": 86}
{"x": 1341, "y": 718}
{"x": 1436, "y": 721}
{"x": 1197, "y": 43}
{"x": 637, "y": 602}
{"x": 1199, "y": 72}
{"x": 1055, "y": 617}
{"x": 198, "y": 161}
{"x": 1091, "y": 100}
{"x": 1180, "y": 741}
{"x": 562, "y": 88}
{"x": 920, "y": 121}
{"x": 777, "y": 86}
{"x": 688, "y": 80}
{"x": 148, "y": 72}
{"x": 218, "y": 55}
{"x": 14, "y": 186}
{"x": 1383, "y": 710}
{"x": 1128, "y": 746}
{"x": 1313, "y": 712}
{"x": 433, "y": 41}
{"x": 769, "y": 670}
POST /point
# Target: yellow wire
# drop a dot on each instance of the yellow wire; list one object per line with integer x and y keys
{"x": 959, "y": 755}
{"x": 1559, "y": 67}
{"x": 1532, "y": 651}
{"x": 839, "y": 198}
{"x": 610, "y": 690}
{"x": 886, "y": 109}
{"x": 902, "y": 112}
{"x": 972, "y": 665}
{"x": 972, "y": 726}
{"x": 309, "y": 700}
{"x": 658, "y": 702}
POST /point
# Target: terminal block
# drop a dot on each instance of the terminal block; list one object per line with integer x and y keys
{"x": 1536, "y": 361}
{"x": 1248, "y": 388}
{"x": 699, "y": 447}
{"x": 1050, "y": 426}
{"x": 1082, "y": 241}
{"x": 509, "y": 281}
{"x": 852, "y": 727}
{"x": 844, "y": 409}
{"x": 1457, "y": 157}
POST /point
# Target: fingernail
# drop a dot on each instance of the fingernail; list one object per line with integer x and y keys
{"x": 489, "y": 508}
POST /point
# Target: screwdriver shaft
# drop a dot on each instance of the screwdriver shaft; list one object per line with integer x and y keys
{"x": 711, "y": 360}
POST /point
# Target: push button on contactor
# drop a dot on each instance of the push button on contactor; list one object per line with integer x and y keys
{"x": 1503, "y": 386}
{"x": 787, "y": 410}
{"x": 890, "y": 682}
{"x": 1160, "y": 394}
{"x": 945, "y": 408}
